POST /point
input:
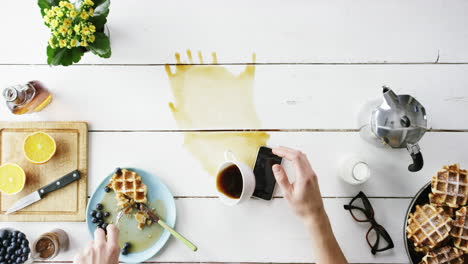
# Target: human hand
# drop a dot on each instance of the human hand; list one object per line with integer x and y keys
{"x": 304, "y": 194}
{"x": 101, "y": 251}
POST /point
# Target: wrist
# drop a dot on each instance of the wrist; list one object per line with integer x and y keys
{"x": 317, "y": 218}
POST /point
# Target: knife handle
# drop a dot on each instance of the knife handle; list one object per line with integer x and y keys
{"x": 60, "y": 183}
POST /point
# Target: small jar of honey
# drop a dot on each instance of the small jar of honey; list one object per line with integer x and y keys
{"x": 27, "y": 98}
{"x": 49, "y": 245}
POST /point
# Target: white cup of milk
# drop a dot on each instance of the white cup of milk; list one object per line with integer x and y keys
{"x": 354, "y": 170}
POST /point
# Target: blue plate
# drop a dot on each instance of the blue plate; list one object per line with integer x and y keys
{"x": 156, "y": 190}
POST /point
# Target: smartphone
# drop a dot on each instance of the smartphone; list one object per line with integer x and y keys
{"x": 265, "y": 180}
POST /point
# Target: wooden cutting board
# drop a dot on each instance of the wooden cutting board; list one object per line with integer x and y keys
{"x": 67, "y": 204}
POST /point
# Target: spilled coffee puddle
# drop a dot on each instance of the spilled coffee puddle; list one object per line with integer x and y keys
{"x": 211, "y": 97}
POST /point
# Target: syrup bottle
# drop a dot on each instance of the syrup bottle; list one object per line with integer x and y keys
{"x": 27, "y": 98}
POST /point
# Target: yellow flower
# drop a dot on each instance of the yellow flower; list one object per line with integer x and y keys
{"x": 56, "y": 9}
{"x": 51, "y": 42}
{"x": 84, "y": 43}
{"x": 54, "y": 23}
{"x": 60, "y": 14}
{"x": 73, "y": 42}
{"x": 62, "y": 43}
{"x": 62, "y": 3}
{"x": 85, "y": 31}
{"x": 84, "y": 15}
{"x": 89, "y": 2}
{"x": 69, "y": 32}
{"x": 92, "y": 28}
{"x": 51, "y": 13}
{"x": 63, "y": 30}
{"x": 67, "y": 22}
{"x": 73, "y": 14}
{"x": 76, "y": 28}
{"x": 91, "y": 38}
{"x": 55, "y": 33}
{"x": 91, "y": 12}
{"x": 70, "y": 6}
{"x": 46, "y": 19}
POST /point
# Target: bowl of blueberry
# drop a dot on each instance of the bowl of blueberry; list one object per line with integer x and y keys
{"x": 14, "y": 247}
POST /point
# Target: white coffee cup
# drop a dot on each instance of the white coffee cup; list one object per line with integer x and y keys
{"x": 248, "y": 179}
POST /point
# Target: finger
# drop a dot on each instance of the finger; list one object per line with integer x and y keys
{"x": 99, "y": 236}
{"x": 112, "y": 235}
{"x": 298, "y": 159}
{"x": 282, "y": 179}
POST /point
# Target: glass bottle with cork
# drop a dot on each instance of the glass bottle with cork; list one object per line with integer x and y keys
{"x": 27, "y": 98}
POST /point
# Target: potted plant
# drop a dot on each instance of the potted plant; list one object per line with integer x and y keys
{"x": 76, "y": 28}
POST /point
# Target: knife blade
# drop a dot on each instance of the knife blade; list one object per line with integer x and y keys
{"x": 39, "y": 194}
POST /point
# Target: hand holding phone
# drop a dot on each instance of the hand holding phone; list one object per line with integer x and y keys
{"x": 265, "y": 180}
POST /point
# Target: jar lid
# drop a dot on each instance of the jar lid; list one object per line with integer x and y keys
{"x": 10, "y": 94}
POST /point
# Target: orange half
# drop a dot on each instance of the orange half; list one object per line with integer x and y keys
{"x": 12, "y": 179}
{"x": 39, "y": 147}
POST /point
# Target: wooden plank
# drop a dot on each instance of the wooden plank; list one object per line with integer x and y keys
{"x": 71, "y": 154}
{"x": 296, "y": 31}
{"x": 292, "y": 97}
{"x": 256, "y": 232}
{"x": 164, "y": 155}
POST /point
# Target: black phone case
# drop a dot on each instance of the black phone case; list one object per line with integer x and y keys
{"x": 265, "y": 180}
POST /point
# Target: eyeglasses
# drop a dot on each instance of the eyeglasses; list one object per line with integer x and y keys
{"x": 361, "y": 210}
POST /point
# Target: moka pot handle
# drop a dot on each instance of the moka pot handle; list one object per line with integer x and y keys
{"x": 417, "y": 157}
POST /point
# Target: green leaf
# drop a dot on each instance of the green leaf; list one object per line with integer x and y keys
{"x": 43, "y": 4}
{"x": 101, "y": 45}
{"x": 64, "y": 56}
{"x": 101, "y": 10}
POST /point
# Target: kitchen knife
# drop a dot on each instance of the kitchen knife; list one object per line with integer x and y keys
{"x": 39, "y": 194}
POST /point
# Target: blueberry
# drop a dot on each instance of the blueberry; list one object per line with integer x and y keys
{"x": 10, "y": 250}
{"x": 4, "y": 234}
{"x": 104, "y": 226}
{"x": 127, "y": 245}
{"x": 19, "y": 260}
{"x": 100, "y": 222}
{"x": 6, "y": 243}
{"x": 94, "y": 220}
{"x": 106, "y": 214}
{"x": 124, "y": 251}
{"x": 107, "y": 189}
{"x": 21, "y": 235}
{"x": 118, "y": 171}
{"x": 99, "y": 206}
{"x": 24, "y": 258}
{"x": 14, "y": 245}
{"x": 99, "y": 215}
{"x": 2, "y": 251}
{"x": 93, "y": 213}
{"x": 26, "y": 250}
{"x": 25, "y": 243}
{"x": 2, "y": 258}
{"x": 7, "y": 256}
{"x": 14, "y": 234}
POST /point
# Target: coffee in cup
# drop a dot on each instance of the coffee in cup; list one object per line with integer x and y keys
{"x": 235, "y": 181}
{"x": 229, "y": 182}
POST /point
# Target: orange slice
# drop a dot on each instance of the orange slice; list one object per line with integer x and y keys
{"x": 12, "y": 179}
{"x": 39, "y": 147}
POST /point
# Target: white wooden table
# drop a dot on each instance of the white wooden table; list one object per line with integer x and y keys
{"x": 317, "y": 63}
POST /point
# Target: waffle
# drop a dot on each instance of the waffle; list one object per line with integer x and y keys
{"x": 142, "y": 219}
{"x": 444, "y": 255}
{"x": 460, "y": 229}
{"x": 450, "y": 187}
{"x": 428, "y": 226}
{"x": 128, "y": 188}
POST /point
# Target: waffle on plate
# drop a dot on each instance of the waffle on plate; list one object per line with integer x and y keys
{"x": 444, "y": 255}
{"x": 460, "y": 229}
{"x": 438, "y": 227}
{"x": 450, "y": 187}
{"x": 428, "y": 226}
{"x": 130, "y": 190}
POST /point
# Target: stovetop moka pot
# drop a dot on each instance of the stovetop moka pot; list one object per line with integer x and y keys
{"x": 397, "y": 121}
